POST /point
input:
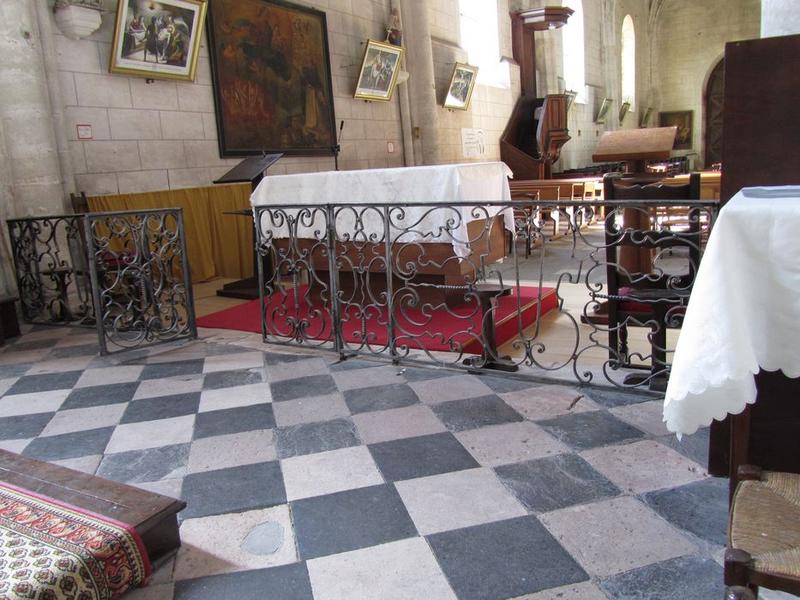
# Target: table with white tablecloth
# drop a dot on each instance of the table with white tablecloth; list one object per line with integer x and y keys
{"x": 744, "y": 312}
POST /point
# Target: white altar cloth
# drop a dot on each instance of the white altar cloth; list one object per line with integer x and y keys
{"x": 472, "y": 182}
{"x": 744, "y": 311}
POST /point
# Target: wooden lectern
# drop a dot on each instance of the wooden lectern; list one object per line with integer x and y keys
{"x": 251, "y": 170}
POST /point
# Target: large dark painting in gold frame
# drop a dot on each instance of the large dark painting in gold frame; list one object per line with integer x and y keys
{"x": 272, "y": 80}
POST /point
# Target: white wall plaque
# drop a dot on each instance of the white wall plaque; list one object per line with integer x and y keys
{"x": 473, "y": 143}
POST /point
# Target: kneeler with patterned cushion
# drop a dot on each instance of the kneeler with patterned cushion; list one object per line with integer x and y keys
{"x": 53, "y": 551}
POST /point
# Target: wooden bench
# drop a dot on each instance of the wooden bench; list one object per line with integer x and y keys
{"x": 152, "y": 515}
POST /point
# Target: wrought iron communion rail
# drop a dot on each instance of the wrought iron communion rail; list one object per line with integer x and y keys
{"x": 592, "y": 292}
{"x": 124, "y": 273}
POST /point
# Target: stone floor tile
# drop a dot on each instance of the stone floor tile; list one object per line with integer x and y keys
{"x": 69, "y": 445}
{"x": 509, "y": 443}
{"x": 694, "y": 446}
{"x": 503, "y": 385}
{"x": 675, "y": 579}
{"x": 354, "y": 363}
{"x": 647, "y": 416}
{"x": 92, "y": 349}
{"x": 76, "y": 339}
{"x": 398, "y": 423}
{"x": 313, "y": 385}
{"x": 16, "y": 446}
{"x": 226, "y": 380}
{"x": 22, "y": 358}
{"x": 234, "y": 489}
{"x": 161, "y": 407}
{"x": 354, "y": 379}
{"x": 6, "y": 383}
{"x": 310, "y": 410}
{"x": 172, "y": 369}
{"x": 504, "y": 559}
{"x": 14, "y": 371}
{"x": 84, "y": 464}
{"x": 548, "y": 401}
{"x": 329, "y": 472}
{"x": 226, "y": 543}
{"x": 232, "y": 450}
{"x": 287, "y": 582}
{"x": 44, "y": 383}
{"x": 234, "y": 420}
{"x": 232, "y": 397}
{"x": 350, "y": 520}
{"x": 590, "y": 429}
{"x": 100, "y": 395}
{"x": 163, "y": 591}
{"x": 152, "y": 464}
{"x": 555, "y": 482}
{"x": 454, "y": 387}
{"x": 24, "y": 426}
{"x": 426, "y": 373}
{"x": 233, "y": 361}
{"x": 166, "y": 487}
{"x": 309, "y": 438}
{"x": 614, "y": 536}
{"x": 643, "y": 466}
{"x": 107, "y": 375}
{"x": 611, "y": 396}
{"x": 472, "y": 413}
{"x": 579, "y": 591}
{"x": 169, "y": 386}
{"x": 402, "y": 570}
{"x": 700, "y": 508}
{"x": 382, "y": 397}
{"x": 80, "y": 419}
{"x": 33, "y": 403}
{"x": 421, "y": 456}
{"x": 60, "y": 365}
{"x": 151, "y": 434}
{"x": 459, "y": 499}
{"x": 298, "y": 368}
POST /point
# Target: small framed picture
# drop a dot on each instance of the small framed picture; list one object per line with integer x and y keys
{"x": 459, "y": 92}
{"x": 623, "y": 111}
{"x": 682, "y": 119}
{"x": 158, "y": 40}
{"x": 602, "y": 112}
{"x": 379, "y": 69}
{"x": 644, "y": 120}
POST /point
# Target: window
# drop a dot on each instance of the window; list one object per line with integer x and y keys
{"x": 628, "y": 67}
{"x": 573, "y": 51}
{"x": 480, "y": 37}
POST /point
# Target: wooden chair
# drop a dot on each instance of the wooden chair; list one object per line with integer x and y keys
{"x": 636, "y": 294}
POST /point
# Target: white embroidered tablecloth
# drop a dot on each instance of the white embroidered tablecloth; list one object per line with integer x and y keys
{"x": 472, "y": 182}
{"x": 744, "y": 312}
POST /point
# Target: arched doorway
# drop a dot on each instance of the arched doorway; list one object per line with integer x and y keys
{"x": 715, "y": 92}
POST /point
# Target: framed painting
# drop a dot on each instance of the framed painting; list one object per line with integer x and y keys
{"x": 157, "y": 40}
{"x": 378, "y": 74}
{"x": 602, "y": 112}
{"x": 682, "y": 119}
{"x": 271, "y": 73}
{"x": 462, "y": 82}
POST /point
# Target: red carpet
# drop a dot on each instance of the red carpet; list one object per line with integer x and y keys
{"x": 438, "y": 330}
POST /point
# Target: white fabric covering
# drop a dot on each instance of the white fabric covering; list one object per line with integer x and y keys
{"x": 744, "y": 312}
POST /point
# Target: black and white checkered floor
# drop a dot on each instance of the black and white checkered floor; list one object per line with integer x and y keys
{"x": 306, "y": 478}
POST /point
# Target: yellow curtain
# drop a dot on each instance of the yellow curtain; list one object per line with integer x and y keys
{"x": 216, "y": 244}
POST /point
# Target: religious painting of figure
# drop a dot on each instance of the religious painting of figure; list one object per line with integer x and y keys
{"x": 157, "y": 40}
{"x": 272, "y": 78}
{"x": 682, "y": 119}
{"x": 459, "y": 93}
{"x": 379, "y": 69}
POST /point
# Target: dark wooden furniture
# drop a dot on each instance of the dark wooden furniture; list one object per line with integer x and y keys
{"x": 9, "y": 324}
{"x": 635, "y": 294}
{"x": 534, "y": 135}
{"x": 152, "y": 515}
{"x": 763, "y": 534}
{"x": 634, "y": 147}
{"x": 760, "y": 147}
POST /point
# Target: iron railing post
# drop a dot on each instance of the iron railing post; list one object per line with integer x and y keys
{"x": 333, "y": 276}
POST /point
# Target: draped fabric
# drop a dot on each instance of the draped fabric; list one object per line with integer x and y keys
{"x": 217, "y": 244}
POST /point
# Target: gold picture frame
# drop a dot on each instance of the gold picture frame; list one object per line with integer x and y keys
{"x": 158, "y": 40}
{"x": 377, "y": 76}
{"x": 462, "y": 82}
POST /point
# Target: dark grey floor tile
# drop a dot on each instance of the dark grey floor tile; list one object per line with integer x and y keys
{"x": 461, "y": 415}
{"x": 287, "y": 582}
{"x": 350, "y": 520}
{"x": 139, "y": 466}
{"x": 309, "y": 438}
{"x": 23, "y": 346}
{"x": 687, "y": 577}
{"x": 233, "y": 420}
{"x": 99, "y": 395}
{"x": 590, "y": 429}
{"x": 700, "y": 507}
{"x": 555, "y": 482}
{"x": 421, "y": 456}
{"x": 693, "y": 446}
{"x": 69, "y": 445}
{"x": 224, "y": 379}
{"x": 504, "y": 559}
{"x": 43, "y": 383}
{"x": 502, "y": 385}
{"x": 172, "y": 369}
{"x": 304, "y": 387}
{"x": 162, "y": 407}
{"x": 277, "y": 358}
{"x": 8, "y": 371}
{"x": 611, "y": 397}
{"x": 222, "y": 349}
{"x": 354, "y": 363}
{"x": 233, "y": 490}
{"x": 425, "y": 373}
{"x": 380, "y": 397}
{"x": 70, "y": 351}
{"x": 23, "y": 426}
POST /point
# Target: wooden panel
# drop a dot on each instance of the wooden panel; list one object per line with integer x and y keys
{"x": 761, "y": 144}
{"x": 653, "y": 143}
